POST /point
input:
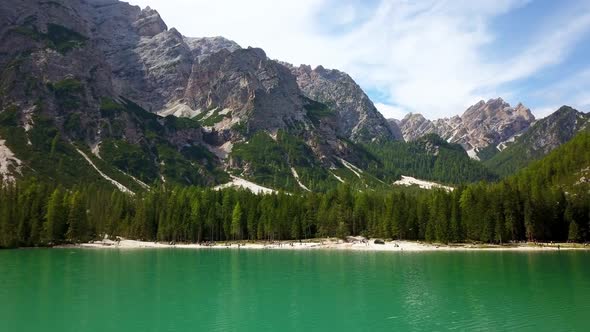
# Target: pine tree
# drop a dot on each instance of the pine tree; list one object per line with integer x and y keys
{"x": 573, "y": 232}
{"x": 236, "y": 222}
{"x": 55, "y": 220}
{"x": 76, "y": 219}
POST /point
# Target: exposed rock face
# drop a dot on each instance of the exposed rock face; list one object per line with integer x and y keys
{"x": 246, "y": 86}
{"x": 98, "y": 64}
{"x": 167, "y": 73}
{"x": 483, "y": 124}
{"x": 358, "y": 119}
{"x": 414, "y": 126}
{"x": 75, "y": 63}
{"x": 554, "y": 130}
{"x": 203, "y": 47}
{"x": 494, "y": 122}
{"x": 149, "y": 23}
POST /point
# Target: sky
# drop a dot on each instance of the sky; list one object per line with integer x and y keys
{"x": 431, "y": 57}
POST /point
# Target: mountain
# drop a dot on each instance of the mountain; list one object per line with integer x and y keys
{"x": 544, "y": 136}
{"x": 431, "y": 157}
{"x": 482, "y": 125}
{"x": 359, "y": 120}
{"x": 100, "y": 91}
{"x": 566, "y": 167}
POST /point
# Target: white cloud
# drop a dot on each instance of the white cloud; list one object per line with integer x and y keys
{"x": 425, "y": 56}
{"x": 391, "y": 111}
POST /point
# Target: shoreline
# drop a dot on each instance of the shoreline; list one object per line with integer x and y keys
{"x": 352, "y": 244}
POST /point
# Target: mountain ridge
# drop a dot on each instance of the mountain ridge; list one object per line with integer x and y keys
{"x": 112, "y": 82}
{"x": 481, "y": 125}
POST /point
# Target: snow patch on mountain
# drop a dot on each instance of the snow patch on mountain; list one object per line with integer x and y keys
{"x": 472, "y": 153}
{"x": 411, "y": 181}
{"x": 296, "y": 176}
{"x": 179, "y": 110}
{"x": 237, "y": 182}
{"x": 357, "y": 171}
{"x": 337, "y": 177}
{"x": 7, "y": 161}
{"x": 119, "y": 186}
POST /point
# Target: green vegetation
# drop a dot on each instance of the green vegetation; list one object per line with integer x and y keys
{"x": 47, "y": 156}
{"x": 242, "y": 128}
{"x": 269, "y": 162}
{"x": 67, "y": 92}
{"x": 154, "y": 155}
{"x": 57, "y": 37}
{"x": 487, "y": 153}
{"x": 47, "y": 152}
{"x": 559, "y": 127}
{"x": 181, "y": 123}
{"x": 207, "y": 119}
{"x": 316, "y": 110}
{"x": 430, "y": 158}
{"x": 110, "y": 108}
{"x": 130, "y": 158}
{"x": 562, "y": 167}
{"x": 531, "y": 206}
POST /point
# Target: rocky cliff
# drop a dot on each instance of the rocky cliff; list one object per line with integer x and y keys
{"x": 358, "y": 119}
{"x": 90, "y": 76}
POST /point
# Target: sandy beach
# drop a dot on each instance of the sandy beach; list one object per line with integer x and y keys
{"x": 352, "y": 243}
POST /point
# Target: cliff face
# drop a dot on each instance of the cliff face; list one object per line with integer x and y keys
{"x": 481, "y": 125}
{"x": 358, "y": 119}
{"x": 245, "y": 86}
{"x": 100, "y": 70}
{"x": 74, "y": 77}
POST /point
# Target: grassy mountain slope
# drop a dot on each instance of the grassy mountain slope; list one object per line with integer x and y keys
{"x": 567, "y": 166}
{"x": 544, "y": 136}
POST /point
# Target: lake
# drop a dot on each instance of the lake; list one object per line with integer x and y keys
{"x": 262, "y": 290}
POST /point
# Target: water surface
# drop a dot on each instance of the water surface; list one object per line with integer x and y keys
{"x": 260, "y": 290}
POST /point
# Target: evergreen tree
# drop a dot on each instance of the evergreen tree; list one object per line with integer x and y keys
{"x": 76, "y": 219}
{"x": 55, "y": 219}
{"x": 236, "y": 222}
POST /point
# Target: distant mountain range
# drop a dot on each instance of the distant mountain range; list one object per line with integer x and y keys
{"x": 101, "y": 91}
{"x": 482, "y": 125}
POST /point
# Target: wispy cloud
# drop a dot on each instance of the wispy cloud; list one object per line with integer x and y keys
{"x": 432, "y": 57}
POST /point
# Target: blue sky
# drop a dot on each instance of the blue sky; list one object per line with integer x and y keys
{"x": 430, "y": 57}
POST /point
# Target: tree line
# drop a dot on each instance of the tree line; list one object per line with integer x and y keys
{"x": 37, "y": 214}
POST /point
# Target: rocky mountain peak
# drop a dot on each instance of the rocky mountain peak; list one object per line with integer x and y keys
{"x": 149, "y": 23}
{"x": 205, "y": 46}
{"x": 415, "y": 125}
{"x": 358, "y": 119}
{"x": 481, "y": 125}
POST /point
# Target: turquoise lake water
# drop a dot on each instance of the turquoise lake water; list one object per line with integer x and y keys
{"x": 262, "y": 290}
